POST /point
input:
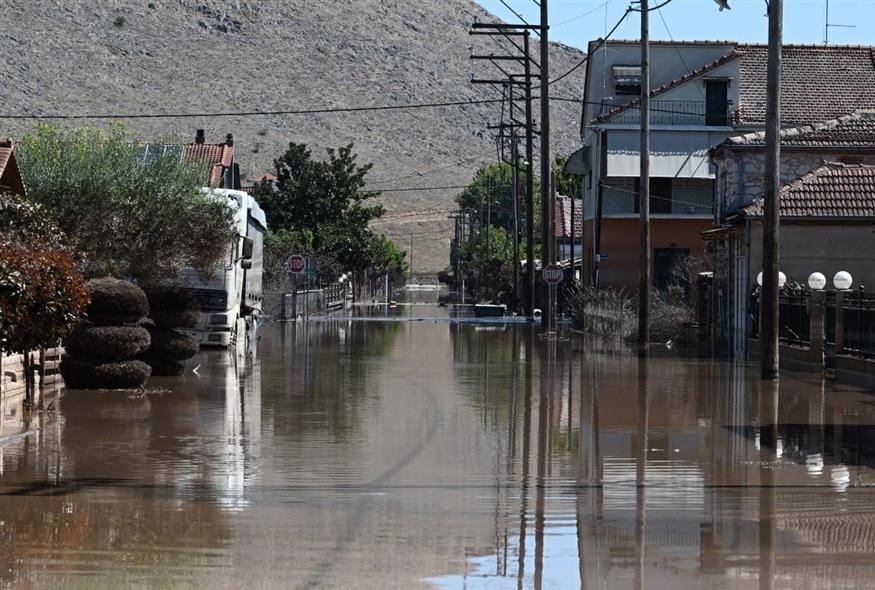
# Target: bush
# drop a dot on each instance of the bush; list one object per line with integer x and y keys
{"x": 112, "y": 342}
{"x": 90, "y": 374}
{"x": 172, "y": 307}
{"x": 169, "y": 345}
{"x": 114, "y": 302}
{"x": 608, "y": 313}
{"x": 42, "y": 296}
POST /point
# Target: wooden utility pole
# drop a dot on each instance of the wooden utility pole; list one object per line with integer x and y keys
{"x": 771, "y": 192}
{"x": 644, "y": 184}
{"x": 548, "y": 255}
{"x": 529, "y": 291}
{"x": 515, "y": 234}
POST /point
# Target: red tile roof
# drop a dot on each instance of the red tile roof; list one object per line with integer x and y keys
{"x": 216, "y": 156}
{"x": 856, "y": 131}
{"x": 818, "y": 82}
{"x": 833, "y": 190}
{"x": 562, "y": 218}
{"x": 10, "y": 175}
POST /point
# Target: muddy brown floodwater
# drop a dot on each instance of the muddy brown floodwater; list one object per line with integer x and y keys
{"x": 409, "y": 451}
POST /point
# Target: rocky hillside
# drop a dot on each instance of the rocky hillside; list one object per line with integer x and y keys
{"x": 208, "y": 56}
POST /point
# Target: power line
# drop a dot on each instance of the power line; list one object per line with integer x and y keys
{"x": 580, "y": 16}
{"x": 601, "y": 42}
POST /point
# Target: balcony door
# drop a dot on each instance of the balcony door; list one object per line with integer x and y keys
{"x": 716, "y": 102}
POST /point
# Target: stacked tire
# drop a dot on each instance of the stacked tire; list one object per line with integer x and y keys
{"x": 101, "y": 353}
{"x": 170, "y": 308}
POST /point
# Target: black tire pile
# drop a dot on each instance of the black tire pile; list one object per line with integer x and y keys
{"x": 170, "y": 308}
{"x": 101, "y": 353}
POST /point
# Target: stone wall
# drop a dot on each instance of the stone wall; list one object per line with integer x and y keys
{"x": 740, "y": 174}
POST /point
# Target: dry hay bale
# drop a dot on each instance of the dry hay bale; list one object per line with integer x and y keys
{"x": 95, "y": 374}
{"x": 115, "y": 302}
{"x": 107, "y": 342}
{"x": 169, "y": 345}
{"x": 161, "y": 368}
{"x": 173, "y": 307}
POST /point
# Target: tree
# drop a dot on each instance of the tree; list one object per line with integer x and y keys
{"x": 124, "y": 216}
{"x": 320, "y": 208}
{"x": 42, "y": 296}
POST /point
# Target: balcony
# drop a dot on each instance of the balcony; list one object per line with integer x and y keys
{"x": 681, "y": 112}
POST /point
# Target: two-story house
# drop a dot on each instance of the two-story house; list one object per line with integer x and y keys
{"x": 703, "y": 93}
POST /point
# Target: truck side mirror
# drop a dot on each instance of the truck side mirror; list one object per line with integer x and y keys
{"x": 247, "y": 248}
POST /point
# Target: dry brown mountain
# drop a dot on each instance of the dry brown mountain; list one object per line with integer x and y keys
{"x": 201, "y": 56}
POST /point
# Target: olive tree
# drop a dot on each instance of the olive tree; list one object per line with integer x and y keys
{"x": 124, "y": 216}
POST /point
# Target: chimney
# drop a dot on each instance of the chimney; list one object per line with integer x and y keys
{"x": 199, "y": 136}
{"x": 229, "y": 139}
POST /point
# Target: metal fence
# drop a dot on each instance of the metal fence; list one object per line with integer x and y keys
{"x": 795, "y": 318}
{"x": 859, "y": 325}
{"x": 681, "y": 112}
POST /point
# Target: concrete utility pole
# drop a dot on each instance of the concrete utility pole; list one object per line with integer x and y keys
{"x": 771, "y": 193}
{"x": 644, "y": 184}
{"x": 514, "y": 169}
{"x": 529, "y": 291}
{"x": 548, "y": 255}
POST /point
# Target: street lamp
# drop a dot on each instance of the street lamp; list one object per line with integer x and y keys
{"x": 843, "y": 280}
{"x": 816, "y": 281}
{"x": 782, "y": 279}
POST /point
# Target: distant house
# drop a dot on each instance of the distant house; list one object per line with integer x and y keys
{"x": 704, "y": 92}
{"x": 568, "y": 230}
{"x": 10, "y": 175}
{"x": 827, "y": 209}
{"x": 221, "y": 171}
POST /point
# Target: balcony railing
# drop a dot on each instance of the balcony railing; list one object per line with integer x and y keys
{"x": 681, "y": 112}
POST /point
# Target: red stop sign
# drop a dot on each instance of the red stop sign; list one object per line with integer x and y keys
{"x": 552, "y": 274}
{"x": 296, "y": 264}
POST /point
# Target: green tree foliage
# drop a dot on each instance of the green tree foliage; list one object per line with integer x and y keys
{"x": 124, "y": 216}
{"x": 488, "y": 267}
{"x": 42, "y": 295}
{"x": 492, "y": 186}
{"x": 566, "y": 184}
{"x": 320, "y": 208}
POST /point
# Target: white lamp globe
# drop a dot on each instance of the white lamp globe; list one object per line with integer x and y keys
{"x": 760, "y": 279}
{"x": 817, "y": 281}
{"x": 782, "y": 280}
{"x": 843, "y": 280}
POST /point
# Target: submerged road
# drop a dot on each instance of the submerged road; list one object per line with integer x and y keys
{"x": 445, "y": 454}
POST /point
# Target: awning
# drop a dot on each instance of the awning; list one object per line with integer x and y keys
{"x": 578, "y": 163}
{"x": 680, "y": 155}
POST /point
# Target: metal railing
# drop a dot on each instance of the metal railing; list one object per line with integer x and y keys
{"x": 681, "y": 112}
{"x": 859, "y": 324}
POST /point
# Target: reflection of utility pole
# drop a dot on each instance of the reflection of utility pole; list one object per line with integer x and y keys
{"x": 641, "y": 470}
{"x": 771, "y": 191}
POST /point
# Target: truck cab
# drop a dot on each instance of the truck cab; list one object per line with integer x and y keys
{"x": 231, "y": 298}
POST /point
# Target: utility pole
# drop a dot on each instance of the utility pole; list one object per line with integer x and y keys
{"x": 771, "y": 192}
{"x": 514, "y": 187}
{"x": 530, "y": 185}
{"x": 548, "y": 255}
{"x": 644, "y": 184}
{"x": 510, "y": 32}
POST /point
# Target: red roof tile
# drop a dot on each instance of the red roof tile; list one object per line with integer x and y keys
{"x": 855, "y": 130}
{"x": 818, "y": 82}
{"x": 217, "y": 156}
{"x": 833, "y": 190}
{"x": 10, "y": 175}
{"x": 562, "y": 218}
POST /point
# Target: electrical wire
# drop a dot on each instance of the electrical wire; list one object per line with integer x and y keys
{"x": 580, "y": 16}
{"x": 602, "y": 41}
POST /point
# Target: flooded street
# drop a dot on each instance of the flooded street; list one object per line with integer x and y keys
{"x": 411, "y": 451}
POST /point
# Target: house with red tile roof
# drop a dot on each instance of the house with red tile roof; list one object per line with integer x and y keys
{"x": 217, "y": 159}
{"x": 10, "y": 175}
{"x": 827, "y": 210}
{"x": 568, "y": 227}
{"x": 703, "y": 93}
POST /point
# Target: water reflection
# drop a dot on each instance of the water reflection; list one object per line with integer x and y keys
{"x": 403, "y": 454}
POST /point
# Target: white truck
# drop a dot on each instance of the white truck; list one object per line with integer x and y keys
{"x": 231, "y": 299}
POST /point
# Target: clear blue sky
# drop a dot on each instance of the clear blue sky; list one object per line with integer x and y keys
{"x": 575, "y": 22}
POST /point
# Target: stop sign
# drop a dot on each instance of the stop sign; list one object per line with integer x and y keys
{"x": 296, "y": 264}
{"x": 552, "y": 274}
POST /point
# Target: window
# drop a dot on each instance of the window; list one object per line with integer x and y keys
{"x": 627, "y": 80}
{"x": 660, "y": 195}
